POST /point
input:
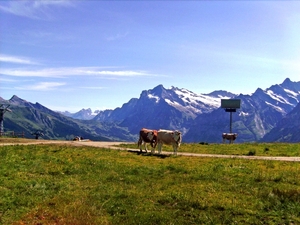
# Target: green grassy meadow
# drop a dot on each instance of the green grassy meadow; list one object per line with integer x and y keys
{"x": 258, "y": 149}
{"x": 63, "y": 184}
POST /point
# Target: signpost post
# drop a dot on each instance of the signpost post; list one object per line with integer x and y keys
{"x": 230, "y": 105}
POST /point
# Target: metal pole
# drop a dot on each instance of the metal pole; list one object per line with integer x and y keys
{"x": 230, "y": 122}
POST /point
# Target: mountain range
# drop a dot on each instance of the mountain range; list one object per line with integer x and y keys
{"x": 29, "y": 118}
{"x": 266, "y": 115}
{"x": 259, "y": 114}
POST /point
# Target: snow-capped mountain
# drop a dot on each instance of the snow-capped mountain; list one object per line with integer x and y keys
{"x": 83, "y": 114}
{"x": 159, "y": 107}
{"x": 259, "y": 113}
{"x": 191, "y": 103}
{"x": 200, "y": 117}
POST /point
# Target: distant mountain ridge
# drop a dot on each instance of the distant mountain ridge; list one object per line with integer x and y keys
{"x": 198, "y": 116}
{"x": 83, "y": 114}
{"x": 28, "y": 117}
{"x": 159, "y": 107}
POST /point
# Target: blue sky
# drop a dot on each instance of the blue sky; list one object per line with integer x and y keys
{"x": 69, "y": 55}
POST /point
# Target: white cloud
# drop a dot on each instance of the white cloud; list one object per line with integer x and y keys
{"x": 42, "y": 86}
{"x": 16, "y": 59}
{"x": 124, "y": 73}
{"x": 70, "y": 71}
{"x": 38, "y": 9}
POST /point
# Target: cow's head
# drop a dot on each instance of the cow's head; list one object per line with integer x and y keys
{"x": 177, "y": 136}
{"x": 152, "y": 136}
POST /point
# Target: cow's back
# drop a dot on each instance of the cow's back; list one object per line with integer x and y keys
{"x": 167, "y": 137}
{"x": 164, "y": 136}
{"x": 144, "y": 135}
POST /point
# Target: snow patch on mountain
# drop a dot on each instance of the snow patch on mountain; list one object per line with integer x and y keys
{"x": 154, "y": 97}
{"x": 241, "y": 113}
{"x": 275, "y": 107}
{"x": 193, "y": 100}
{"x": 276, "y": 97}
{"x": 172, "y": 103}
{"x": 291, "y": 92}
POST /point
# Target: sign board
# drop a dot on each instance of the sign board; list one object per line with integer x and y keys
{"x": 231, "y": 103}
{"x": 230, "y": 110}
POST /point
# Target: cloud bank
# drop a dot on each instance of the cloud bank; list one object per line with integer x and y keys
{"x": 70, "y": 71}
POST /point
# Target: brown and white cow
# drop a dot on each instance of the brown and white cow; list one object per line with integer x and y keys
{"x": 169, "y": 137}
{"x": 147, "y": 136}
{"x": 229, "y": 136}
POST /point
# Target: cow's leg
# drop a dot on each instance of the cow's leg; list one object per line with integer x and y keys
{"x": 145, "y": 145}
{"x": 153, "y": 145}
{"x": 175, "y": 149}
{"x": 152, "y": 150}
{"x": 140, "y": 144}
{"x": 159, "y": 148}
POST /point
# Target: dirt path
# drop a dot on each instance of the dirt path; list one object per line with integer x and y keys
{"x": 112, "y": 145}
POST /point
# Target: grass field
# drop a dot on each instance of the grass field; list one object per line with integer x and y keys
{"x": 63, "y": 184}
{"x": 259, "y": 149}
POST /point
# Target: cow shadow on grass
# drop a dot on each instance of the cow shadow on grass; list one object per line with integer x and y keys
{"x": 162, "y": 156}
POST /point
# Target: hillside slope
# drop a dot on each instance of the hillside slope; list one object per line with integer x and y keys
{"x": 287, "y": 130}
{"x": 29, "y": 118}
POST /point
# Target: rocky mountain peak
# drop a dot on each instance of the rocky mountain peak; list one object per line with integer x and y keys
{"x": 287, "y": 81}
{"x": 258, "y": 91}
{"x": 158, "y": 89}
{"x": 86, "y": 110}
{"x": 290, "y": 85}
{"x": 222, "y": 94}
{"x": 16, "y": 99}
